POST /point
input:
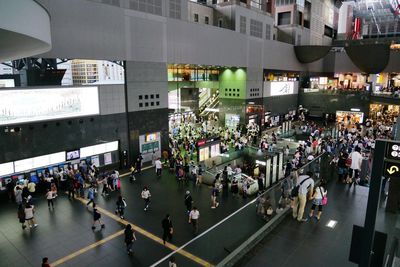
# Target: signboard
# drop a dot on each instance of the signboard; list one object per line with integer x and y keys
{"x": 28, "y": 105}
{"x": 107, "y": 158}
{"x": 282, "y": 88}
{"x": 393, "y": 151}
{"x": 392, "y": 169}
{"x": 150, "y": 147}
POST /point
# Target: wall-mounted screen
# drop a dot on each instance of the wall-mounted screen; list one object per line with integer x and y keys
{"x": 98, "y": 149}
{"x": 6, "y": 168}
{"x": 282, "y": 88}
{"x": 74, "y": 154}
{"x": 28, "y": 105}
{"x": 349, "y": 117}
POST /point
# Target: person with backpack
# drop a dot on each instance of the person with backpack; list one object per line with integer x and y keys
{"x": 146, "y": 197}
{"x": 130, "y": 237}
{"x": 319, "y": 199}
{"x": 121, "y": 205}
{"x": 90, "y": 196}
{"x": 304, "y": 186}
{"x": 96, "y": 218}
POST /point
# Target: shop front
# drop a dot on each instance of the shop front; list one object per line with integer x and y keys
{"x": 323, "y": 83}
{"x": 207, "y": 149}
{"x": 383, "y": 113}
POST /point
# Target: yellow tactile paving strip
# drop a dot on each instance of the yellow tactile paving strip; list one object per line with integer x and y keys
{"x": 137, "y": 229}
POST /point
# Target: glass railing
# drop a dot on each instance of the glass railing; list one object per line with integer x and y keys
{"x": 227, "y": 241}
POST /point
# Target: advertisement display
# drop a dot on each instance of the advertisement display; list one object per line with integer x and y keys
{"x": 232, "y": 120}
{"x": 107, "y": 158}
{"x": 215, "y": 150}
{"x": 29, "y": 105}
{"x": 282, "y": 88}
{"x": 37, "y": 162}
{"x": 275, "y": 88}
{"x": 74, "y": 154}
{"x": 349, "y": 117}
{"x": 204, "y": 153}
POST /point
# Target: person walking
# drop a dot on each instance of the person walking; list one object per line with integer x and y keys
{"x": 355, "y": 167}
{"x": 320, "y": 193}
{"x": 188, "y": 201}
{"x": 194, "y": 216}
{"x": 168, "y": 230}
{"x": 172, "y": 262}
{"x": 121, "y": 205}
{"x": 146, "y": 197}
{"x": 158, "y": 165}
{"x": 29, "y": 212}
{"x": 214, "y": 195}
{"x": 130, "y": 237}
{"x": 45, "y": 262}
{"x": 21, "y": 216}
{"x": 90, "y": 196}
{"x": 18, "y": 195}
{"x": 96, "y": 218}
{"x": 50, "y": 197}
{"x": 304, "y": 186}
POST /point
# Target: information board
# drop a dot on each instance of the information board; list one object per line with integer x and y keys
{"x": 392, "y": 169}
{"x": 393, "y": 151}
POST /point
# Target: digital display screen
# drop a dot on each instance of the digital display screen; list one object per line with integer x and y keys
{"x": 98, "y": 149}
{"x": 71, "y": 155}
{"x": 37, "y": 162}
{"x": 34, "y": 178}
{"x": 29, "y": 105}
{"x": 282, "y": 88}
{"x": 151, "y": 137}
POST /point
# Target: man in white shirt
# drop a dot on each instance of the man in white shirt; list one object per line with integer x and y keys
{"x": 355, "y": 167}
{"x": 158, "y": 167}
{"x": 305, "y": 184}
{"x": 194, "y": 216}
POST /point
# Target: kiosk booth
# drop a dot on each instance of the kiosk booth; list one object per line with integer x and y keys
{"x": 208, "y": 148}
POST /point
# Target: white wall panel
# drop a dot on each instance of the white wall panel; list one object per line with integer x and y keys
{"x": 112, "y": 100}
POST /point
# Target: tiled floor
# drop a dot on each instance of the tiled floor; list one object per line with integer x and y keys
{"x": 312, "y": 243}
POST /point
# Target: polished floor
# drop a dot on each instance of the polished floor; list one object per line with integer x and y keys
{"x": 314, "y": 244}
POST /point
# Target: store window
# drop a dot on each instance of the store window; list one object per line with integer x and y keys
{"x": 243, "y": 24}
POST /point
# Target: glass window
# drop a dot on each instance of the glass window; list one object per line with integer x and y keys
{"x": 206, "y": 20}
{"x": 196, "y": 18}
{"x": 243, "y": 24}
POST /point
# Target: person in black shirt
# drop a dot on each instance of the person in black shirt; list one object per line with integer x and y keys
{"x": 188, "y": 201}
{"x": 167, "y": 228}
{"x": 139, "y": 163}
{"x": 129, "y": 238}
{"x": 342, "y": 168}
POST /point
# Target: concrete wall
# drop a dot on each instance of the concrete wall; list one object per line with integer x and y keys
{"x": 319, "y": 103}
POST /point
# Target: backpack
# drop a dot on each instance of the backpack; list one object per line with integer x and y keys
{"x": 295, "y": 190}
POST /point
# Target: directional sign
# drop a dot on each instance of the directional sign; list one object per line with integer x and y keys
{"x": 393, "y": 151}
{"x": 392, "y": 169}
